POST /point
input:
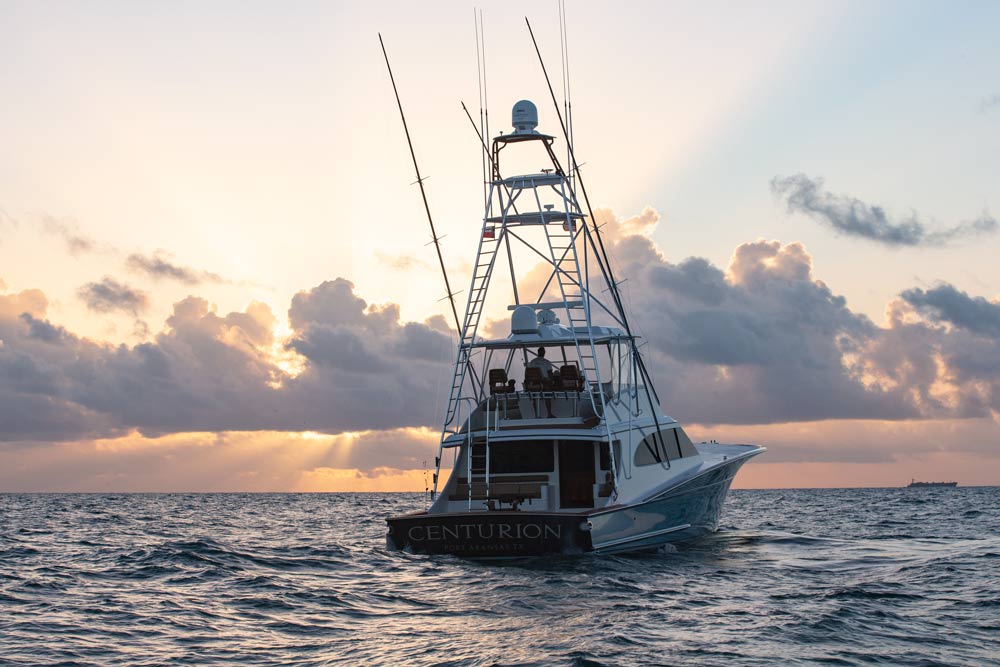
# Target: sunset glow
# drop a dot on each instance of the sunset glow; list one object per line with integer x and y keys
{"x": 214, "y": 270}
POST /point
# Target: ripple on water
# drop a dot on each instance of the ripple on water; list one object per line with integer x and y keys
{"x": 875, "y": 576}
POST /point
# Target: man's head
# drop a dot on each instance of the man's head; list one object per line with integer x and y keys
{"x": 541, "y": 352}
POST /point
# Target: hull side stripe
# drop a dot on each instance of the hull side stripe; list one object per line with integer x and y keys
{"x": 636, "y": 538}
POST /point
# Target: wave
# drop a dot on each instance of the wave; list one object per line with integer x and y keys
{"x": 306, "y": 580}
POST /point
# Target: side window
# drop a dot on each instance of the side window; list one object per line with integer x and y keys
{"x": 672, "y": 444}
{"x": 684, "y": 443}
{"x": 649, "y": 448}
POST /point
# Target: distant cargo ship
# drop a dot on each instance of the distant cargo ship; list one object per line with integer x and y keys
{"x": 914, "y": 484}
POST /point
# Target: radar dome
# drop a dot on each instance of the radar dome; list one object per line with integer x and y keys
{"x": 524, "y": 320}
{"x": 524, "y": 117}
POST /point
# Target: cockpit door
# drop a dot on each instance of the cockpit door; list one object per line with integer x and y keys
{"x": 576, "y": 474}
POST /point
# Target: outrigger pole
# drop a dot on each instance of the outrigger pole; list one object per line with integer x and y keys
{"x": 434, "y": 238}
{"x": 423, "y": 193}
{"x": 602, "y": 257}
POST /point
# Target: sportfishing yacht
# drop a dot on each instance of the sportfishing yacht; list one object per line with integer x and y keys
{"x": 554, "y": 434}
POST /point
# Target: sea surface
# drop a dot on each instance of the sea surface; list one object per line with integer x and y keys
{"x": 803, "y": 577}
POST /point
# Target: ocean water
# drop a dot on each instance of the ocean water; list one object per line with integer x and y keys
{"x": 803, "y": 577}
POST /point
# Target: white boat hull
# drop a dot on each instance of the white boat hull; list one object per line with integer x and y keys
{"x": 682, "y": 512}
{"x": 685, "y": 510}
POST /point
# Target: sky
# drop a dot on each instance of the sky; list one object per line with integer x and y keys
{"x": 213, "y": 262}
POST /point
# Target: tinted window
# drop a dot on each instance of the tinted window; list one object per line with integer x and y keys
{"x": 520, "y": 457}
{"x": 673, "y": 443}
{"x": 653, "y": 447}
{"x": 687, "y": 447}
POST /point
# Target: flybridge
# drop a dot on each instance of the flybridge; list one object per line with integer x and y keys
{"x": 564, "y": 250}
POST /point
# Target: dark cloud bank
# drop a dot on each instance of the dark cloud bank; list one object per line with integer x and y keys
{"x": 761, "y": 342}
{"x": 209, "y": 372}
{"x": 767, "y": 342}
{"x": 852, "y": 217}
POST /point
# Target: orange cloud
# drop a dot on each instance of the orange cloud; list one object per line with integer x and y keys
{"x": 390, "y": 460}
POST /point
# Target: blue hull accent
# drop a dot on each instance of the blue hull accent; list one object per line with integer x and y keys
{"x": 689, "y": 510}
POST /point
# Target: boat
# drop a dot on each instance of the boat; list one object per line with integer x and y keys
{"x": 914, "y": 484}
{"x": 555, "y": 435}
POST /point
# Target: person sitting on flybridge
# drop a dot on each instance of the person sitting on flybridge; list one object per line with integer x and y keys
{"x": 542, "y": 364}
{"x": 545, "y": 369}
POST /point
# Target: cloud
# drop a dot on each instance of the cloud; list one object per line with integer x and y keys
{"x": 228, "y": 461}
{"x": 945, "y": 303}
{"x": 760, "y": 341}
{"x": 108, "y": 295}
{"x": 203, "y": 369}
{"x": 6, "y": 220}
{"x": 402, "y": 262}
{"x": 159, "y": 266}
{"x": 614, "y": 229}
{"x": 989, "y": 103}
{"x": 809, "y": 454}
{"x": 764, "y": 341}
{"x": 370, "y": 369}
{"x": 76, "y": 242}
{"x": 853, "y": 217}
{"x": 759, "y": 349}
{"x": 943, "y": 346}
{"x": 361, "y": 368}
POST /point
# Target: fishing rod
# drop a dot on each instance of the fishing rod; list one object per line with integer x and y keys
{"x": 423, "y": 193}
{"x": 477, "y": 16}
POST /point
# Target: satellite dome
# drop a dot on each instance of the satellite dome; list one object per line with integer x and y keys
{"x": 546, "y": 316}
{"x": 524, "y": 320}
{"x": 524, "y": 117}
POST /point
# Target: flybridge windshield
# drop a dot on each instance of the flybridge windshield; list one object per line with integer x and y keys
{"x": 563, "y": 337}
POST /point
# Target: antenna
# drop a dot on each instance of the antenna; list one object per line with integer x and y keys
{"x": 479, "y": 75}
{"x": 564, "y": 57}
{"x": 423, "y": 193}
{"x": 569, "y": 88}
{"x": 486, "y": 98}
{"x": 478, "y": 132}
